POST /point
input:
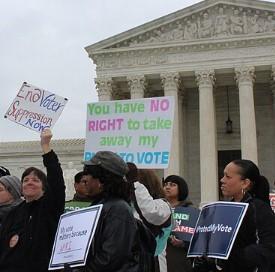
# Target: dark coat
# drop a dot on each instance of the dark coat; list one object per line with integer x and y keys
{"x": 255, "y": 242}
{"x": 114, "y": 244}
{"x": 34, "y": 224}
{"x": 176, "y": 256}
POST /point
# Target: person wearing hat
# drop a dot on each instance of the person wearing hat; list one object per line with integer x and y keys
{"x": 81, "y": 198}
{"x": 10, "y": 194}
{"x": 176, "y": 192}
{"x": 113, "y": 246}
{"x": 28, "y": 231}
{"x": 4, "y": 171}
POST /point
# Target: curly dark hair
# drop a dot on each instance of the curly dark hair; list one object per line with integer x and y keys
{"x": 113, "y": 185}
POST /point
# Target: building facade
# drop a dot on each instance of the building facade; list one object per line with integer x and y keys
{"x": 217, "y": 58}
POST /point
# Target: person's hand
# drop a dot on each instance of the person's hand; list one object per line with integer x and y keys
{"x": 176, "y": 242}
{"x": 45, "y": 137}
{"x": 219, "y": 264}
{"x": 200, "y": 264}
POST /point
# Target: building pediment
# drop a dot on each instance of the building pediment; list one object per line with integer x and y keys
{"x": 210, "y": 20}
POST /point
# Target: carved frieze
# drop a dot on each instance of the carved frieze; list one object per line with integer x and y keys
{"x": 221, "y": 21}
{"x": 181, "y": 54}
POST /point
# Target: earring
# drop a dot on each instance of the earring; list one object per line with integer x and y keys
{"x": 243, "y": 192}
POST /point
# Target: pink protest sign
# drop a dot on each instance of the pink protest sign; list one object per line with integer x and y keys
{"x": 138, "y": 130}
{"x": 35, "y": 108}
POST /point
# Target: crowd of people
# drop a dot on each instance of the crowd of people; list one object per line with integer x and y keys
{"x": 30, "y": 209}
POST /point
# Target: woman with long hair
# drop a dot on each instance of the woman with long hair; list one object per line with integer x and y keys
{"x": 254, "y": 246}
{"x": 151, "y": 207}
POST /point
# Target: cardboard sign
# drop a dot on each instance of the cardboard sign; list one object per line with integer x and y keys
{"x": 73, "y": 237}
{"x": 76, "y": 205}
{"x": 138, "y": 130}
{"x": 35, "y": 108}
{"x": 216, "y": 229}
{"x": 184, "y": 222}
{"x": 272, "y": 201}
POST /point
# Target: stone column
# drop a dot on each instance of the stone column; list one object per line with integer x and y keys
{"x": 272, "y": 87}
{"x": 208, "y": 137}
{"x": 170, "y": 83}
{"x": 245, "y": 78}
{"x": 104, "y": 88}
{"x": 137, "y": 86}
{"x": 182, "y": 129}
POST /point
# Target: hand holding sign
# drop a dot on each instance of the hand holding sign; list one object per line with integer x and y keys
{"x": 35, "y": 108}
{"x": 216, "y": 229}
{"x": 46, "y": 136}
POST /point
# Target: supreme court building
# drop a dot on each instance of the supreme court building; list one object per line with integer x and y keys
{"x": 217, "y": 58}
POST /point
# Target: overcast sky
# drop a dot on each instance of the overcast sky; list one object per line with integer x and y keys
{"x": 42, "y": 43}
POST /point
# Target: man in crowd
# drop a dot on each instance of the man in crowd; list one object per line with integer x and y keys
{"x": 81, "y": 198}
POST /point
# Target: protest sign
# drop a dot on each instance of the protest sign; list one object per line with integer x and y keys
{"x": 73, "y": 237}
{"x": 184, "y": 222}
{"x": 272, "y": 201}
{"x": 35, "y": 108}
{"x": 216, "y": 229}
{"x": 74, "y": 205}
{"x": 138, "y": 130}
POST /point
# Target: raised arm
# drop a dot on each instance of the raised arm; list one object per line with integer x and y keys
{"x": 46, "y": 136}
{"x": 55, "y": 193}
{"x": 155, "y": 211}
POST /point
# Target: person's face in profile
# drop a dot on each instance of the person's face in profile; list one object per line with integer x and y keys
{"x": 80, "y": 187}
{"x": 232, "y": 183}
{"x": 5, "y": 195}
{"x": 93, "y": 185}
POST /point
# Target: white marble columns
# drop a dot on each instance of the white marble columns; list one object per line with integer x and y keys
{"x": 170, "y": 82}
{"x": 137, "y": 86}
{"x": 208, "y": 145}
{"x": 245, "y": 79}
{"x": 272, "y": 85}
{"x": 104, "y": 88}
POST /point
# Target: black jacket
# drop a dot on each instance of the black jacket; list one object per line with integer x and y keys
{"x": 114, "y": 245}
{"x": 34, "y": 224}
{"x": 255, "y": 242}
{"x": 176, "y": 256}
